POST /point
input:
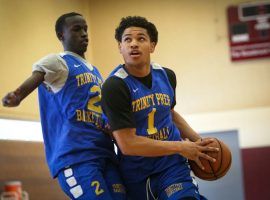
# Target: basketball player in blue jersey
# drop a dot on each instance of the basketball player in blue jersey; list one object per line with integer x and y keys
{"x": 154, "y": 140}
{"x": 78, "y": 152}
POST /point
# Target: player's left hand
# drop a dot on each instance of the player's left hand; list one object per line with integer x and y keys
{"x": 196, "y": 150}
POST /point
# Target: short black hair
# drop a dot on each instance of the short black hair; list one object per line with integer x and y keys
{"x": 136, "y": 21}
{"x": 60, "y": 22}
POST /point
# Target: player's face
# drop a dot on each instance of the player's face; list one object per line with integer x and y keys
{"x": 75, "y": 36}
{"x": 136, "y": 47}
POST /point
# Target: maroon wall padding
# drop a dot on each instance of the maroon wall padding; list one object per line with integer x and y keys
{"x": 256, "y": 168}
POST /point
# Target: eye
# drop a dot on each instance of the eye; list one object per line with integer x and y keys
{"x": 76, "y": 28}
{"x": 142, "y": 39}
{"x": 127, "y": 39}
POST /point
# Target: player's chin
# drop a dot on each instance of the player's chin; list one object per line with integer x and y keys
{"x": 134, "y": 61}
{"x": 83, "y": 49}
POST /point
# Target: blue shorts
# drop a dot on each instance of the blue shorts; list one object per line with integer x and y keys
{"x": 97, "y": 179}
{"x": 170, "y": 184}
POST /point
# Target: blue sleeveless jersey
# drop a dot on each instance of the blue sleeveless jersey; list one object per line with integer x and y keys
{"x": 152, "y": 113}
{"x": 71, "y": 119}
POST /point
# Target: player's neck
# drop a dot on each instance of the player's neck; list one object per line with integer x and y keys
{"x": 80, "y": 54}
{"x": 138, "y": 70}
{"x": 75, "y": 52}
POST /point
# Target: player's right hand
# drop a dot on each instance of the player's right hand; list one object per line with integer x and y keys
{"x": 11, "y": 99}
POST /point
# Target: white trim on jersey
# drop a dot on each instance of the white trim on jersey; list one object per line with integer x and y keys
{"x": 121, "y": 73}
{"x": 56, "y": 70}
{"x": 156, "y": 66}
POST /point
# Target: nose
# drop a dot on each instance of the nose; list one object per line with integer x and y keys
{"x": 134, "y": 44}
{"x": 84, "y": 33}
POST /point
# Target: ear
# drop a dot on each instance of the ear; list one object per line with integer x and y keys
{"x": 120, "y": 47}
{"x": 152, "y": 47}
{"x": 60, "y": 36}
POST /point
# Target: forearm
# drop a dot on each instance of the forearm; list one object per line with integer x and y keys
{"x": 133, "y": 145}
{"x": 15, "y": 97}
{"x": 183, "y": 126}
{"x": 151, "y": 148}
{"x": 29, "y": 85}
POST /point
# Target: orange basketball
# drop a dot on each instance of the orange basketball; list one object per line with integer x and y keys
{"x": 214, "y": 170}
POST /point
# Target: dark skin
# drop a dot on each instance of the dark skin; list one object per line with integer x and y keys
{"x": 74, "y": 38}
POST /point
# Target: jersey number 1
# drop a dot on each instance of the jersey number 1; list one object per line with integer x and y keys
{"x": 151, "y": 118}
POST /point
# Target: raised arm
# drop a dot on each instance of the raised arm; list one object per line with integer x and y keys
{"x": 15, "y": 97}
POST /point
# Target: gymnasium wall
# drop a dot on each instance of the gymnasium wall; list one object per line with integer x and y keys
{"x": 253, "y": 129}
{"x": 193, "y": 41}
{"x": 213, "y": 93}
{"x": 256, "y": 172}
{"x": 27, "y": 34}
{"x": 25, "y": 161}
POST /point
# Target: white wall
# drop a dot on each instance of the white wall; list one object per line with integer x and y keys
{"x": 20, "y": 130}
{"x": 253, "y": 126}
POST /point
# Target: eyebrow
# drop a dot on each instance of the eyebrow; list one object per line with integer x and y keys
{"x": 129, "y": 34}
{"x": 80, "y": 25}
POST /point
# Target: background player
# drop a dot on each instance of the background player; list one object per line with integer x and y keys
{"x": 78, "y": 153}
{"x": 138, "y": 99}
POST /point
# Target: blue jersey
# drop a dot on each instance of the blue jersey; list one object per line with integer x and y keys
{"x": 152, "y": 113}
{"x": 71, "y": 118}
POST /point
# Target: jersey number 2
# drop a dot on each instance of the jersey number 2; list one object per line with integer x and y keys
{"x": 92, "y": 101}
{"x": 98, "y": 190}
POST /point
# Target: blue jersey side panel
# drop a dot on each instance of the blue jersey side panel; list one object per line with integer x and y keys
{"x": 71, "y": 119}
{"x": 152, "y": 112}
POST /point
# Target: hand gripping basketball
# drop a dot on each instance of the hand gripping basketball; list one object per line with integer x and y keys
{"x": 214, "y": 170}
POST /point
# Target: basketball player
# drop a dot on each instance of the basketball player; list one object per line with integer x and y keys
{"x": 78, "y": 153}
{"x": 138, "y": 99}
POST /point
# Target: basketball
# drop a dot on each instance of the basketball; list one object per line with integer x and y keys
{"x": 214, "y": 170}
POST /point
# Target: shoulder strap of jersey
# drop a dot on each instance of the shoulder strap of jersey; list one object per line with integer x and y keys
{"x": 156, "y": 66}
{"x": 121, "y": 73}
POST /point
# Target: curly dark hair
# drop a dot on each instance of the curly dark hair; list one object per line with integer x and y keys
{"x": 60, "y": 22}
{"x": 136, "y": 21}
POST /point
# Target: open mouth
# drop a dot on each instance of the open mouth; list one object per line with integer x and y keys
{"x": 135, "y": 54}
